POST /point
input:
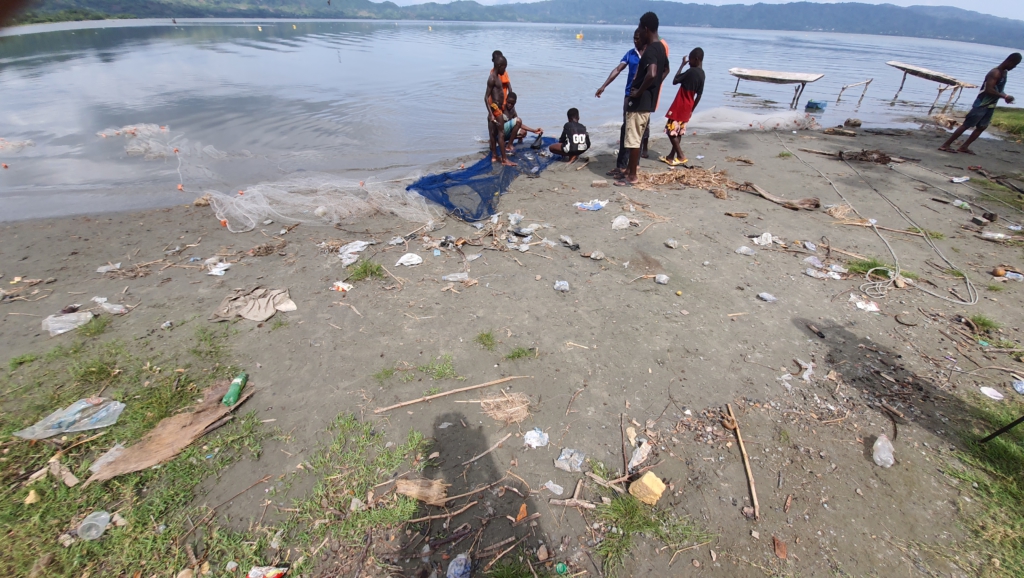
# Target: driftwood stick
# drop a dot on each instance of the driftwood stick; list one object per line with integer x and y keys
{"x": 572, "y": 399}
{"x": 498, "y": 557}
{"x": 478, "y": 490}
{"x": 442, "y": 516}
{"x": 454, "y": 391}
{"x": 602, "y": 482}
{"x": 735, "y": 426}
{"x": 491, "y": 449}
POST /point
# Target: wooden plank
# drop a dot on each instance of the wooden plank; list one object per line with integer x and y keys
{"x": 775, "y": 77}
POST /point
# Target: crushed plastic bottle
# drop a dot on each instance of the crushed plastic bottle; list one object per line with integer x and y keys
{"x": 460, "y": 567}
{"x": 554, "y": 488}
{"x": 745, "y": 250}
{"x": 882, "y": 451}
{"x": 961, "y": 205}
{"x": 767, "y": 297}
{"x": 456, "y": 277}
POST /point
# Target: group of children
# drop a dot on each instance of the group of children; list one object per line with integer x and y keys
{"x": 505, "y": 126}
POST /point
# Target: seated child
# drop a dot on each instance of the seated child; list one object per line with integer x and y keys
{"x": 574, "y": 140}
{"x": 514, "y": 128}
{"x": 690, "y": 90}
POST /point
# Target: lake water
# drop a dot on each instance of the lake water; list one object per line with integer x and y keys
{"x": 247, "y": 102}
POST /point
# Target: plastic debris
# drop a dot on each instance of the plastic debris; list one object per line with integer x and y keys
{"x": 594, "y": 205}
{"x": 57, "y": 324}
{"x": 84, "y": 414}
{"x": 109, "y": 268}
{"x": 114, "y": 308}
{"x": 514, "y": 219}
{"x": 1014, "y": 276}
{"x": 621, "y": 222}
{"x": 869, "y": 306}
{"x": 992, "y": 236}
{"x": 882, "y": 452}
{"x": 567, "y": 241}
{"x": 409, "y": 260}
{"x": 767, "y": 297}
{"x": 961, "y": 205}
{"x": 342, "y": 286}
{"x": 808, "y": 370}
{"x": 959, "y": 179}
{"x": 474, "y": 256}
{"x": 561, "y": 286}
{"x": 671, "y": 243}
{"x": 553, "y": 488}
{"x": 535, "y": 438}
{"x": 640, "y": 455}
{"x": 661, "y": 279}
{"x": 455, "y": 277}
{"x": 763, "y": 240}
{"x": 259, "y": 304}
{"x": 810, "y": 246}
{"x": 231, "y": 566}
{"x": 992, "y": 393}
{"x": 349, "y": 253}
{"x": 461, "y": 567}
{"x": 597, "y": 255}
{"x": 745, "y": 250}
{"x": 815, "y": 262}
{"x": 218, "y": 269}
{"x": 1018, "y": 386}
{"x": 822, "y": 274}
{"x": 266, "y": 572}
{"x": 395, "y": 241}
{"x": 570, "y": 460}
{"x": 167, "y": 325}
{"x": 838, "y": 268}
{"x": 93, "y": 526}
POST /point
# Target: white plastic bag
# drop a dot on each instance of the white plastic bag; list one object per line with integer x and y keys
{"x": 535, "y": 438}
{"x": 621, "y": 222}
{"x": 57, "y": 324}
{"x": 409, "y": 260}
{"x": 84, "y": 414}
{"x": 882, "y": 451}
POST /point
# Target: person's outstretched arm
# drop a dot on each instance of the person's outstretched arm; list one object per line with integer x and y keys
{"x": 611, "y": 78}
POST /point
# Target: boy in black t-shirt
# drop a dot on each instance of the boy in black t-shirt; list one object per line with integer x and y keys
{"x": 643, "y": 98}
{"x": 574, "y": 140}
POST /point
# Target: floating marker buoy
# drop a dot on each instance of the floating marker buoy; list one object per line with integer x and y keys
{"x": 260, "y": 28}
{"x": 294, "y": 27}
{"x": 181, "y": 187}
{"x": 579, "y": 36}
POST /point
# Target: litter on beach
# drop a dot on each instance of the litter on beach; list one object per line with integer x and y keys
{"x": 257, "y": 304}
{"x": 594, "y": 205}
{"x": 84, "y": 414}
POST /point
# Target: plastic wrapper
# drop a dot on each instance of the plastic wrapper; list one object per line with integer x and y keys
{"x": 266, "y": 572}
{"x": 570, "y": 460}
{"x": 84, "y": 414}
{"x": 409, "y": 260}
{"x": 535, "y": 438}
{"x": 562, "y": 286}
{"x": 461, "y": 567}
{"x": 882, "y": 452}
{"x": 57, "y": 324}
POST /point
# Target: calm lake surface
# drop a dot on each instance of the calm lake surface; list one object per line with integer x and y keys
{"x": 253, "y": 101}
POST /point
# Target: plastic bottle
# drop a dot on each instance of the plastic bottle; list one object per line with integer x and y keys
{"x": 231, "y": 397}
{"x": 882, "y": 452}
{"x": 1014, "y": 276}
{"x": 961, "y": 205}
{"x": 93, "y": 525}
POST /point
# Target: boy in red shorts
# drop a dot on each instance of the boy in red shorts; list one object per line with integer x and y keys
{"x": 690, "y": 90}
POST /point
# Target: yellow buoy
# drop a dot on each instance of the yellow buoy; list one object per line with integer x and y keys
{"x": 294, "y": 27}
{"x": 579, "y": 36}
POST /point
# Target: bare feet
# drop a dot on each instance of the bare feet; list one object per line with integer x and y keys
{"x": 946, "y": 149}
{"x": 572, "y": 159}
{"x": 508, "y": 163}
{"x": 494, "y": 158}
{"x": 965, "y": 151}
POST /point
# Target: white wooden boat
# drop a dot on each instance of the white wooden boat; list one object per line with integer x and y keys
{"x": 776, "y": 77}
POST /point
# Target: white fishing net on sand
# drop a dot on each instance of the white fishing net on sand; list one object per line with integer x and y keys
{"x": 319, "y": 199}
{"x": 732, "y": 120}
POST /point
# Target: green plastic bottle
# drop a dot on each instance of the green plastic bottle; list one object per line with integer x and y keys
{"x": 231, "y": 397}
{"x": 561, "y": 569}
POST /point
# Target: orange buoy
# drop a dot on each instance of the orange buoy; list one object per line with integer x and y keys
{"x": 181, "y": 187}
{"x": 223, "y": 222}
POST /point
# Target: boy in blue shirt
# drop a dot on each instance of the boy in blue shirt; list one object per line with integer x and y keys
{"x": 630, "y": 60}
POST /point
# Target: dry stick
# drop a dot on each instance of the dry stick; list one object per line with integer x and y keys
{"x": 526, "y": 520}
{"x": 442, "y": 516}
{"x": 622, "y": 439}
{"x": 477, "y": 491}
{"x": 491, "y": 449}
{"x": 746, "y": 462}
{"x": 602, "y": 482}
{"x": 454, "y": 391}
{"x": 485, "y": 552}
{"x": 572, "y": 399}
{"x": 498, "y": 557}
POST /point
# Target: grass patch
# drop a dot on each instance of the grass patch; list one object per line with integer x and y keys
{"x": 862, "y": 266}
{"x": 440, "y": 368}
{"x": 210, "y": 344}
{"x": 627, "y": 517}
{"x": 995, "y": 518}
{"x": 356, "y": 459}
{"x": 518, "y": 353}
{"x": 513, "y": 565}
{"x": 1005, "y": 344}
{"x": 955, "y": 273}
{"x": 994, "y": 287}
{"x": 278, "y": 324}
{"x": 384, "y": 374}
{"x": 785, "y": 155}
{"x": 365, "y": 269}
{"x": 406, "y": 377}
{"x": 432, "y": 391}
{"x": 984, "y": 323}
{"x": 1010, "y": 120}
{"x": 933, "y": 234}
{"x": 20, "y": 360}
{"x": 95, "y": 327}
{"x": 154, "y": 498}
{"x": 910, "y": 275}
{"x": 487, "y": 341}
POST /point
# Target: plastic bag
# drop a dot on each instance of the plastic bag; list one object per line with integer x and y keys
{"x": 767, "y": 297}
{"x": 84, "y": 414}
{"x": 745, "y": 250}
{"x": 594, "y": 205}
{"x": 561, "y": 286}
{"x": 570, "y": 460}
{"x": 409, "y": 260}
{"x": 57, "y": 324}
{"x": 621, "y": 222}
{"x": 882, "y": 451}
{"x": 460, "y": 567}
{"x": 535, "y": 438}
{"x": 455, "y": 277}
{"x": 349, "y": 253}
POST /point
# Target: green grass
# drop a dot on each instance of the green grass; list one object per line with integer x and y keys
{"x": 487, "y": 341}
{"x": 627, "y": 517}
{"x": 20, "y": 360}
{"x": 278, "y": 324}
{"x": 384, "y": 374}
{"x": 432, "y": 391}
{"x": 513, "y": 565}
{"x": 1010, "y": 120}
{"x": 598, "y": 467}
{"x": 406, "y": 376}
{"x": 95, "y": 327}
{"x": 910, "y": 275}
{"x": 210, "y": 343}
{"x": 440, "y": 368}
{"x": 365, "y": 269}
{"x": 146, "y": 379}
{"x": 1005, "y": 344}
{"x": 785, "y": 155}
{"x": 933, "y": 234}
{"x": 955, "y": 273}
{"x": 356, "y": 459}
{"x": 984, "y": 323}
{"x": 994, "y": 287}
{"x": 995, "y": 516}
{"x": 518, "y": 353}
{"x": 862, "y": 266}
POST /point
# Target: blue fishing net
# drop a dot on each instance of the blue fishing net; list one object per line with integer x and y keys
{"x": 472, "y": 193}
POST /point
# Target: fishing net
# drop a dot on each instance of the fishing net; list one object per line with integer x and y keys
{"x": 14, "y": 145}
{"x": 472, "y": 193}
{"x": 155, "y": 142}
{"x": 729, "y": 120}
{"x": 318, "y": 199}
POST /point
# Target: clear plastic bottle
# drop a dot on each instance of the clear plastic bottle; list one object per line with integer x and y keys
{"x": 882, "y": 452}
{"x": 961, "y": 205}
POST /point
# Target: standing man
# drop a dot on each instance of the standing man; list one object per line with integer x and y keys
{"x": 498, "y": 88}
{"x": 984, "y": 106}
{"x": 643, "y": 98}
{"x": 631, "y": 61}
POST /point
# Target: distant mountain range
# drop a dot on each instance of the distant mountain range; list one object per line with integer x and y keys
{"x": 885, "y": 19}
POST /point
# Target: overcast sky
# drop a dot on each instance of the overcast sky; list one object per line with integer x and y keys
{"x": 1004, "y": 8}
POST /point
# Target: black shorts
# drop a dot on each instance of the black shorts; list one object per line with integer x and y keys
{"x": 980, "y": 116}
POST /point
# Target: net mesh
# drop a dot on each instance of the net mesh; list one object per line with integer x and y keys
{"x": 14, "y": 145}
{"x": 318, "y": 199}
{"x": 472, "y": 193}
{"x": 729, "y": 119}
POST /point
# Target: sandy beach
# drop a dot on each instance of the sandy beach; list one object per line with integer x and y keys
{"x": 616, "y": 348}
